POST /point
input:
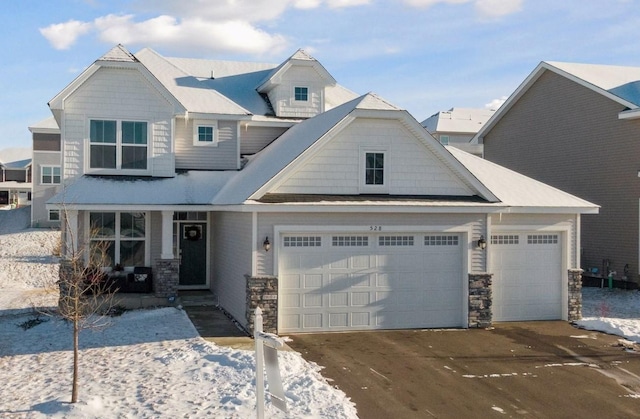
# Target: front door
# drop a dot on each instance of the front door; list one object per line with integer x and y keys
{"x": 193, "y": 255}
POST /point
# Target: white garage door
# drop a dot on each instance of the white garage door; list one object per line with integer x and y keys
{"x": 527, "y": 276}
{"x": 331, "y": 282}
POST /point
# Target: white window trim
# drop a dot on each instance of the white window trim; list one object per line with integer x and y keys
{"x": 196, "y": 138}
{"x": 118, "y": 144}
{"x": 444, "y": 139}
{"x": 300, "y": 102}
{"x": 49, "y": 215}
{"x": 51, "y": 166}
{"x": 375, "y": 189}
{"x": 117, "y": 238}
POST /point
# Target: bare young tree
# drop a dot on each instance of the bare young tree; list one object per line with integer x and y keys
{"x": 86, "y": 294}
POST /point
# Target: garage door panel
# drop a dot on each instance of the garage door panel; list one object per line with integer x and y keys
{"x": 528, "y": 277}
{"x": 395, "y": 281}
{"x": 290, "y": 301}
{"x": 291, "y": 281}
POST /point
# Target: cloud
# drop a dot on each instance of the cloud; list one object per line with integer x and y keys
{"x": 497, "y": 8}
{"x": 495, "y": 103}
{"x": 485, "y": 8}
{"x": 227, "y": 36}
{"x": 64, "y": 35}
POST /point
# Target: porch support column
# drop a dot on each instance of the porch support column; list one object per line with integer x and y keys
{"x": 167, "y": 235}
{"x": 72, "y": 238}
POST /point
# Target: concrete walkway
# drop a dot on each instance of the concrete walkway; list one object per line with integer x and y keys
{"x": 212, "y": 323}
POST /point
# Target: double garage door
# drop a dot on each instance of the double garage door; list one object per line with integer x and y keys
{"x": 527, "y": 276}
{"x": 332, "y": 282}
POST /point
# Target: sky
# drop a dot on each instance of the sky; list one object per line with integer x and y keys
{"x": 422, "y": 55}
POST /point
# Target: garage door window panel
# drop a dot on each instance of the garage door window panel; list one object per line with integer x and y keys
{"x": 395, "y": 240}
{"x": 302, "y": 241}
{"x": 505, "y": 239}
{"x": 542, "y": 239}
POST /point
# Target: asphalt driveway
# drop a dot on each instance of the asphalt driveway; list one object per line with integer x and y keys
{"x": 531, "y": 370}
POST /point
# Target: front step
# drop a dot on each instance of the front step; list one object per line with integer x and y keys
{"x": 197, "y": 298}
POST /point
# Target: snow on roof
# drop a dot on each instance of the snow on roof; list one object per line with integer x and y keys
{"x": 462, "y": 120}
{"x": 621, "y": 81}
{"x": 19, "y": 164}
{"x": 190, "y": 188}
{"x": 517, "y": 190}
{"x": 46, "y": 124}
{"x": 118, "y": 53}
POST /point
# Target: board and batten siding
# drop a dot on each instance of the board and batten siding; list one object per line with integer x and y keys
{"x": 254, "y": 139}
{"x": 570, "y": 137}
{"x": 223, "y": 156}
{"x": 475, "y": 223}
{"x": 117, "y": 93}
{"x": 231, "y": 260}
{"x": 338, "y": 167}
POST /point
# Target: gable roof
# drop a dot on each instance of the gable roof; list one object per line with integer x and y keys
{"x": 519, "y": 191}
{"x": 460, "y": 120}
{"x": 300, "y": 57}
{"x": 618, "y": 83}
{"x": 266, "y": 167}
{"x": 17, "y": 165}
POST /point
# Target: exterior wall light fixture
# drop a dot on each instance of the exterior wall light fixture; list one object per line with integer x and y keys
{"x": 266, "y": 244}
{"x": 482, "y": 243}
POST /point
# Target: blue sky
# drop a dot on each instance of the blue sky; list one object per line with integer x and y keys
{"x": 422, "y": 55}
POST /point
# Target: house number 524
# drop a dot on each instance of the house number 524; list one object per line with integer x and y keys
{"x": 375, "y": 228}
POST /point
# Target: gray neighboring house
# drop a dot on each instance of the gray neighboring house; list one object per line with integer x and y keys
{"x": 577, "y": 127}
{"x": 47, "y": 172}
{"x": 15, "y": 183}
{"x": 457, "y": 126}
{"x": 271, "y": 185}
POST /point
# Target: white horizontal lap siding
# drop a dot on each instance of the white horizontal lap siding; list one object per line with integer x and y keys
{"x": 223, "y": 156}
{"x": 114, "y": 94}
{"x": 282, "y": 95}
{"x": 231, "y": 260}
{"x": 336, "y": 168}
{"x": 254, "y": 139}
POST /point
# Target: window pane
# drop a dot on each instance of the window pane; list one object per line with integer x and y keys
{"x": 102, "y": 131}
{"x": 205, "y": 134}
{"x": 103, "y": 252}
{"x": 134, "y": 132}
{"x": 54, "y": 215}
{"x": 132, "y": 225}
{"x": 301, "y": 93}
{"x": 103, "y": 224}
{"x": 132, "y": 253}
{"x": 103, "y": 157}
{"x": 374, "y": 172}
{"x": 134, "y": 157}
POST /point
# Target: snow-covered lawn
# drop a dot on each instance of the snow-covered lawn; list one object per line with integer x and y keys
{"x": 152, "y": 363}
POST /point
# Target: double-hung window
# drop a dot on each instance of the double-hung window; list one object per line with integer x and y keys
{"x": 118, "y": 237}
{"x": 118, "y": 144}
{"x": 374, "y": 169}
{"x": 50, "y": 175}
{"x": 204, "y": 133}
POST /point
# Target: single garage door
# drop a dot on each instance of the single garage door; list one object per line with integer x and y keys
{"x": 527, "y": 276}
{"x": 332, "y": 282}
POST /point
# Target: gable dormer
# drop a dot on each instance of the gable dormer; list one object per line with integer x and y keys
{"x": 297, "y": 87}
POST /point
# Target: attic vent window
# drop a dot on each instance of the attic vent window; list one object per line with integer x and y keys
{"x": 301, "y": 94}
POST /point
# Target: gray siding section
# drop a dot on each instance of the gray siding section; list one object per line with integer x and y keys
{"x": 224, "y": 156}
{"x": 570, "y": 137}
{"x": 254, "y": 139}
{"x": 42, "y": 193}
{"x": 155, "y": 237}
{"x": 231, "y": 260}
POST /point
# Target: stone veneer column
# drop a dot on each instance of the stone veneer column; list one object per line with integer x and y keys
{"x": 262, "y": 292}
{"x": 480, "y": 299}
{"x": 575, "y": 295}
{"x": 166, "y": 276}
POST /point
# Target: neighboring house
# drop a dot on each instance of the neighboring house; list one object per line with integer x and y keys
{"x": 272, "y": 185}
{"x": 577, "y": 127}
{"x": 15, "y": 183}
{"x": 47, "y": 170}
{"x": 457, "y": 126}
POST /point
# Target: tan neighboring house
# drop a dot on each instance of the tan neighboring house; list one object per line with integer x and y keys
{"x": 47, "y": 172}
{"x": 577, "y": 127}
{"x": 457, "y": 126}
{"x": 15, "y": 183}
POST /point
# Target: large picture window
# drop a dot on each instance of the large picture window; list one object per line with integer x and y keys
{"x": 118, "y": 237}
{"x": 118, "y": 144}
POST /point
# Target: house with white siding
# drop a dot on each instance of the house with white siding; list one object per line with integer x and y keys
{"x": 15, "y": 183}
{"x": 274, "y": 186}
{"x": 47, "y": 172}
{"x": 457, "y": 126}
